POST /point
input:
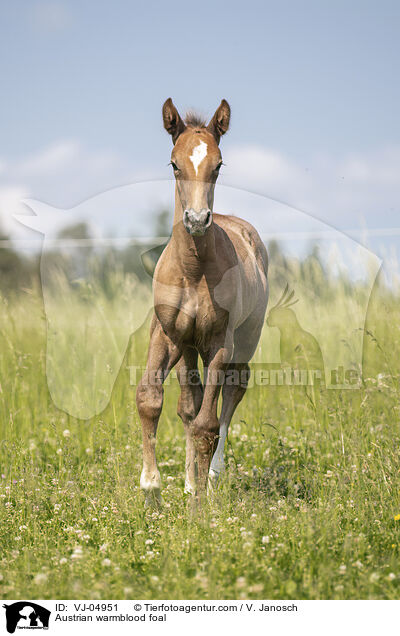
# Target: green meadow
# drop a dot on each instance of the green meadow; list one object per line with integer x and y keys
{"x": 308, "y": 508}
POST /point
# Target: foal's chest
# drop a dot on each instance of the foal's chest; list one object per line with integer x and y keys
{"x": 189, "y": 312}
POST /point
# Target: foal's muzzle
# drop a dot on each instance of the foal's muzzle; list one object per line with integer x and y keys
{"x": 196, "y": 223}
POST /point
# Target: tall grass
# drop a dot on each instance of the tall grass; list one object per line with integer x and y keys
{"x": 307, "y": 507}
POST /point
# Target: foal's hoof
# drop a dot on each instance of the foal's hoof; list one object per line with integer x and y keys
{"x": 213, "y": 477}
{"x": 189, "y": 489}
{"x": 153, "y": 499}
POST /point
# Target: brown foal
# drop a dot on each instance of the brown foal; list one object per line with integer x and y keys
{"x": 210, "y": 296}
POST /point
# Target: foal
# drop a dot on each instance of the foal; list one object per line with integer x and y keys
{"x": 210, "y": 296}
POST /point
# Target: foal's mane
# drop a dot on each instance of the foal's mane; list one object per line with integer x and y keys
{"x": 194, "y": 120}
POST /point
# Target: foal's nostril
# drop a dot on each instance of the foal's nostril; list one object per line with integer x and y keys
{"x": 196, "y": 223}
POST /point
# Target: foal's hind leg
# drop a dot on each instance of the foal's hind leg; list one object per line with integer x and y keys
{"x": 232, "y": 393}
{"x": 188, "y": 406}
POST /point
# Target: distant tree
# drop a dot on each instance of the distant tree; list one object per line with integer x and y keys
{"x": 69, "y": 259}
{"x": 162, "y": 227}
{"x": 16, "y": 271}
{"x": 75, "y": 231}
{"x": 313, "y": 271}
{"x": 163, "y": 223}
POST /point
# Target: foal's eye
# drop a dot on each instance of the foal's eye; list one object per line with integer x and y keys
{"x": 174, "y": 166}
{"x": 217, "y": 168}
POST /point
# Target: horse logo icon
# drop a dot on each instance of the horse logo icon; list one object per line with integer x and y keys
{"x": 26, "y": 615}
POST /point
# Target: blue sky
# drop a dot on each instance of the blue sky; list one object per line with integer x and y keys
{"x": 300, "y": 76}
{"x": 313, "y": 87}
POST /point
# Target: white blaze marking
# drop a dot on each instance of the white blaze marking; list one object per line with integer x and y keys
{"x": 198, "y": 155}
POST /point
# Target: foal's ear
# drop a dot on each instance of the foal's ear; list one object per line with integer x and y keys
{"x": 173, "y": 123}
{"x": 219, "y": 124}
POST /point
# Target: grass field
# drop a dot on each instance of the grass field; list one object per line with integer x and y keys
{"x": 307, "y": 508}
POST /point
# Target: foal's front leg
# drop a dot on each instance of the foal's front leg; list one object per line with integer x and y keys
{"x": 205, "y": 428}
{"x": 162, "y": 356}
{"x": 231, "y": 396}
{"x": 188, "y": 407}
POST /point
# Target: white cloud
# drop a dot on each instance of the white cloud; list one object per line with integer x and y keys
{"x": 261, "y": 167}
{"x": 51, "y": 160}
{"x": 344, "y": 191}
{"x": 63, "y": 174}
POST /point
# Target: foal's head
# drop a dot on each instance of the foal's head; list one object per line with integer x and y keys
{"x": 196, "y": 160}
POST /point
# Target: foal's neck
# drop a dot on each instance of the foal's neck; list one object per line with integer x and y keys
{"x": 193, "y": 251}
